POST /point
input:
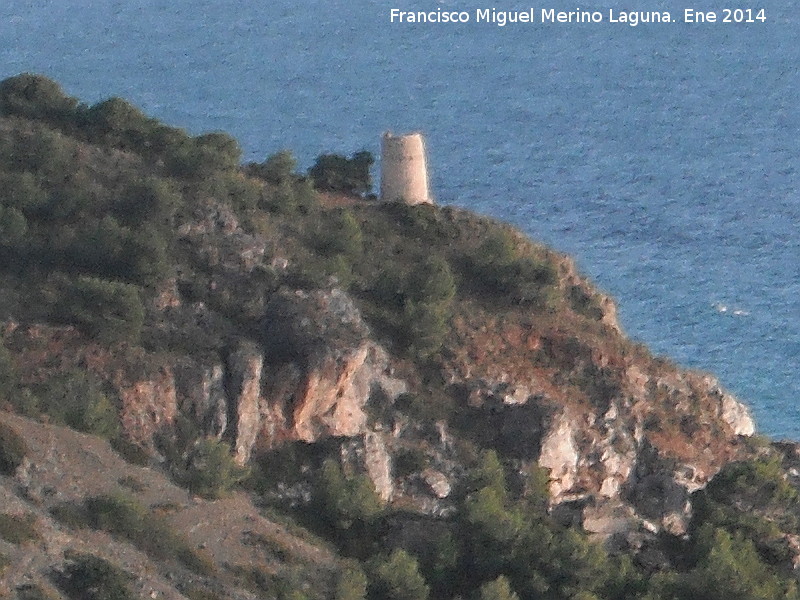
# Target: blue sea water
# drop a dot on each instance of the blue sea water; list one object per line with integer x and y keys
{"x": 663, "y": 157}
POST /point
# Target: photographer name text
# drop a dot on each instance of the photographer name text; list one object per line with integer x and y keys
{"x": 501, "y": 18}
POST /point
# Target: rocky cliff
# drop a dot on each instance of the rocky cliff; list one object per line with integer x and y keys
{"x": 614, "y": 427}
{"x": 450, "y": 405}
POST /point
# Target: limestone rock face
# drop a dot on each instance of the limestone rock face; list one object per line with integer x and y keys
{"x": 147, "y": 405}
{"x": 201, "y": 390}
{"x": 438, "y": 483}
{"x": 320, "y": 370}
{"x": 378, "y": 463}
{"x": 330, "y": 398}
{"x": 623, "y": 433}
{"x": 612, "y": 427}
{"x": 325, "y": 368}
{"x": 559, "y": 455}
{"x": 737, "y": 415}
{"x": 245, "y": 366}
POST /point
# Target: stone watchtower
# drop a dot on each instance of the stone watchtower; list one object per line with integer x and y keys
{"x": 404, "y": 171}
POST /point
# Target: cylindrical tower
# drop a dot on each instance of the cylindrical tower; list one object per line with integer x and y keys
{"x": 404, "y": 171}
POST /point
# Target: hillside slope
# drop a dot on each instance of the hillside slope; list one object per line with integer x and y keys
{"x": 424, "y": 387}
{"x": 172, "y": 544}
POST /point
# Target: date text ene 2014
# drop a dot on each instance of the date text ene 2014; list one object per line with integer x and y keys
{"x": 728, "y": 15}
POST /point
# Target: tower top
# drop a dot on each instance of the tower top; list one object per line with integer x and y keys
{"x": 404, "y": 169}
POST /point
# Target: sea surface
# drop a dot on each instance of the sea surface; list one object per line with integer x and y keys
{"x": 664, "y": 157}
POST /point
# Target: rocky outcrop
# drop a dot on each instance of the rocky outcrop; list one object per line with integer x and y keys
{"x": 559, "y": 455}
{"x": 147, "y": 405}
{"x": 245, "y": 367}
{"x": 611, "y": 425}
{"x": 378, "y": 464}
{"x": 320, "y": 371}
{"x": 201, "y": 389}
{"x": 331, "y": 397}
{"x": 736, "y": 415}
{"x": 258, "y": 368}
{"x": 215, "y": 234}
{"x": 312, "y": 380}
{"x": 324, "y": 370}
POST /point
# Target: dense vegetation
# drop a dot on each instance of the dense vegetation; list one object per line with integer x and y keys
{"x": 91, "y": 202}
{"x": 503, "y": 543}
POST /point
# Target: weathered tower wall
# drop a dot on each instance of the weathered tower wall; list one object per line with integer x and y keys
{"x": 404, "y": 170}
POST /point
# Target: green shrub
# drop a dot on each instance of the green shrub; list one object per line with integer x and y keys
{"x": 425, "y": 225}
{"x": 281, "y": 199}
{"x": 13, "y": 450}
{"x": 104, "y": 248}
{"x": 150, "y": 199}
{"x": 256, "y": 579}
{"x": 754, "y": 483}
{"x": 416, "y": 305}
{"x": 424, "y": 328}
{"x": 106, "y": 310}
{"x": 343, "y": 502}
{"x": 69, "y": 202}
{"x": 497, "y": 526}
{"x": 145, "y": 259}
{"x": 118, "y": 123}
{"x": 322, "y": 272}
{"x": 165, "y": 141}
{"x": 121, "y": 515}
{"x": 277, "y": 169}
{"x": 211, "y": 470}
{"x": 231, "y": 188}
{"x": 130, "y": 452}
{"x": 132, "y": 483}
{"x": 408, "y": 462}
{"x": 76, "y": 399}
{"x": 204, "y": 156}
{"x": 8, "y": 372}
{"x": 731, "y": 568}
{"x": 71, "y": 515}
{"x": 339, "y": 233}
{"x": 585, "y": 303}
{"x": 397, "y": 577}
{"x": 537, "y": 487}
{"x": 305, "y": 196}
{"x": 351, "y": 584}
{"x": 488, "y": 473}
{"x": 35, "y": 97}
{"x": 16, "y": 530}
{"x": 499, "y": 589}
{"x": 291, "y": 195}
{"x": 44, "y": 152}
{"x": 431, "y": 282}
{"x": 24, "y": 401}
{"x": 22, "y": 192}
{"x": 288, "y": 464}
{"x": 97, "y": 246}
{"x": 752, "y": 500}
{"x": 336, "y": 173}
{"x": 498, "y": 269}
{"x": 88, "y": 577}
{"x": 196, "y": 592}
{"x": 225, "y": 150}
